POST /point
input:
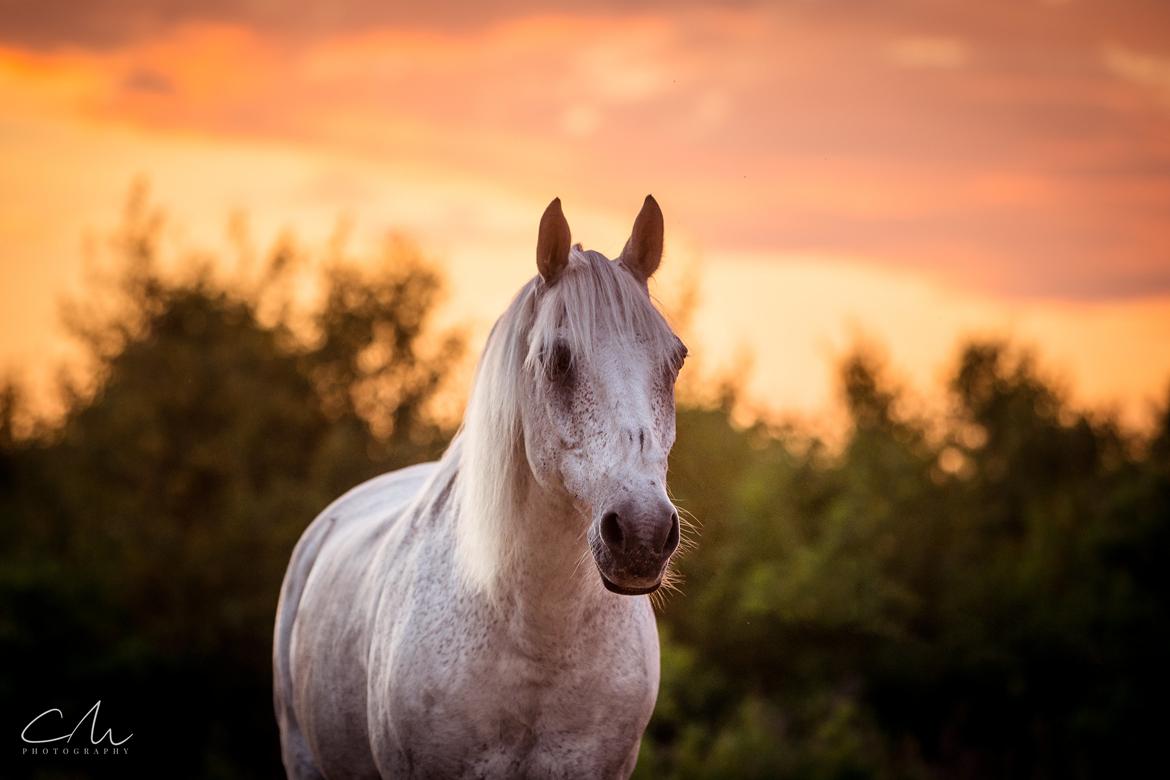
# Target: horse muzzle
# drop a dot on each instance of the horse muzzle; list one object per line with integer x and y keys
{"x": 632, "y": 543}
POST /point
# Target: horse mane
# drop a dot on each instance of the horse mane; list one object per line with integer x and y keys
{"x": 487, "y": 456}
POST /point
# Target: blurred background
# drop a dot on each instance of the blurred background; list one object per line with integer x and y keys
{"x": 920, "y": 252}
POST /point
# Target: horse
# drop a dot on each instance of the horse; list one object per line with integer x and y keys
{"x": 487, "y": 615}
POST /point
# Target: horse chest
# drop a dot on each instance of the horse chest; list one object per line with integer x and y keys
{"x": 511, "y": 712}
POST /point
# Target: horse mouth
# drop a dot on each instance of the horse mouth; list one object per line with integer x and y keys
{"x": 622, "y": 590}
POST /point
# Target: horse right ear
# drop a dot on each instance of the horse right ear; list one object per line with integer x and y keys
{"x": 552, "y": 245}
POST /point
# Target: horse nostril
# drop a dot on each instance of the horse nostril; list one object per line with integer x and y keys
{"x": 611, "y": 531}
{"x": 672, "y": 537}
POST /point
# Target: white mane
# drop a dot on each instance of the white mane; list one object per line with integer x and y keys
{"x": 487, "y": 456}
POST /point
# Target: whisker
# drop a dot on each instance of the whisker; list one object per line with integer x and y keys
{"x": 580, "y": 560}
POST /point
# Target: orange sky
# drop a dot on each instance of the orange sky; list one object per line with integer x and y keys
{"x": 906, "y": 171}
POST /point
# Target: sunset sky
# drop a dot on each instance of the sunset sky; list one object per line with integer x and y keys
{"x": 900, "y": 172}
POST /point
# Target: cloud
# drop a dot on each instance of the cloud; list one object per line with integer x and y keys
{"x": 580, "y": 120}
{"x": 1146, "y": 70}
{"x": 1026, "y": 167}
{"x": 928, "y": 52}
{"x": 148, "y": 80}
{"x": 107, "y": 24}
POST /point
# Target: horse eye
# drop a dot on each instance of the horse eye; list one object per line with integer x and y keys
{"x": 558, "y": 365}
{"x": 680, "y": 356}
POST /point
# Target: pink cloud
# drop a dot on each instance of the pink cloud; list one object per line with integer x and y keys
{"x": 991, "y": 145}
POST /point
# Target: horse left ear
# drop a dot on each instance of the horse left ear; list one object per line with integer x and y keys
{"x": 643, "y": 252}
{"x": 552, "y": 243}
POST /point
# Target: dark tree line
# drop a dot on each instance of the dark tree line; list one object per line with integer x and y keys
{"x": 984, "y": 595}
{"x": 146, "y": 532}
{"x": 981, "y": 595}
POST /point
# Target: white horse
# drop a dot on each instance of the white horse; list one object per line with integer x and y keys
{"x": 444, "y": 620}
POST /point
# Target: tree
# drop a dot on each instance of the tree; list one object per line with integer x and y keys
{"x": 153, "y": 523}
{"x": 975, "y": 596}
{"x": 981, "y": 594}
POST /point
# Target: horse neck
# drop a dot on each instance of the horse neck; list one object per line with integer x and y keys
{"x": 550, "y": 590}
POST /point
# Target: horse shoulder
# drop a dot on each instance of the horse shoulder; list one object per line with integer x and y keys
{"x": 323, "y": 630}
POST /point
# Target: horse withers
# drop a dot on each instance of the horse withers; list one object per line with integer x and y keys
{"x": 487, "y": 615}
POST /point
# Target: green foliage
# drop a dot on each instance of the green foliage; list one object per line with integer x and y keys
{"x": 149, "y": 530}
{"x": 983, "y": 595}
{"x": 978, "y": 596}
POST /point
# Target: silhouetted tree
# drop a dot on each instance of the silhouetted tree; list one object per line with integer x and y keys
{"x": 980, "y": 594}
{"x": 152, "y": 524}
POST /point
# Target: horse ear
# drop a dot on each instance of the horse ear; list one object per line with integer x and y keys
{"x": 643, "y": 252}
{"x": 552, "y": 244}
